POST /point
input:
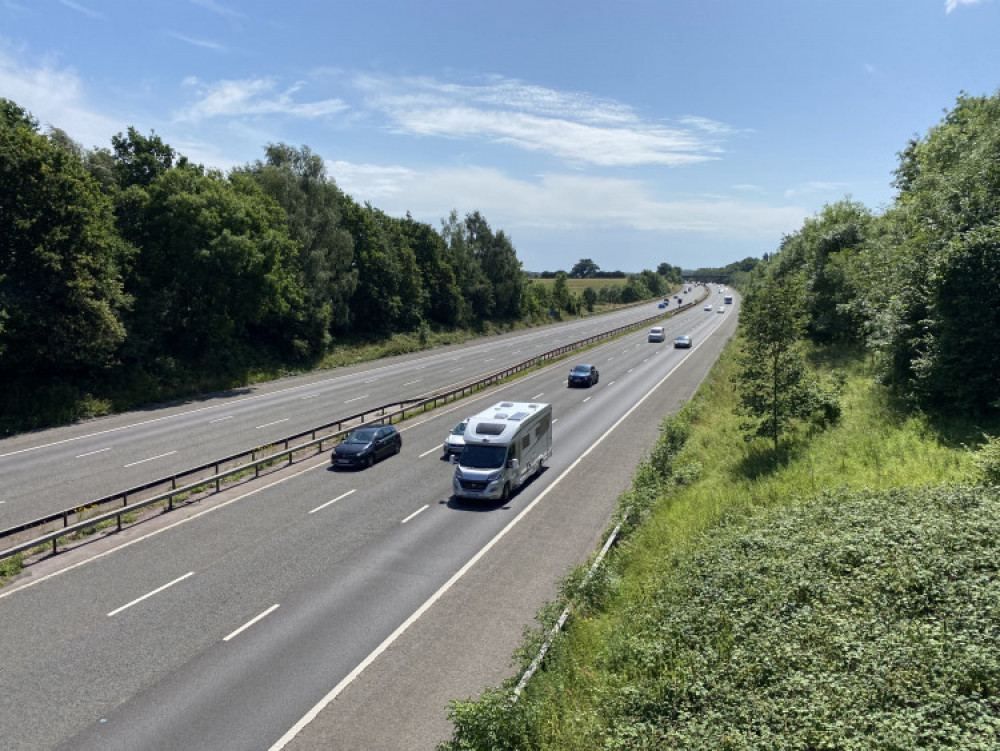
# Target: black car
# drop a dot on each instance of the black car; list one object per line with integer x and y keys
{"x": 583, "y": 375}
{"x": 364, "y": 446}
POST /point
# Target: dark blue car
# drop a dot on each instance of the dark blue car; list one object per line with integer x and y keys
{"x": 364, "y": 446}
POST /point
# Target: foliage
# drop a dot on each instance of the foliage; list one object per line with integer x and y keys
{"x": 215, "y": 278}
{"x": 129, "y": 270}
{"x": 843, "y": 598}
{"x": 61, "y": 289}
{"x": 774, "y": 390}
{"x": 853, "y": 620}
{"x": 585, "y": 268}
{"x": 986, "y": 460}
{"x": 296, "y": 179}
{"x": 824, "y": 252}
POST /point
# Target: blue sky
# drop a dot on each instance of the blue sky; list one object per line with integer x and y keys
{"x": 632, "y": 132}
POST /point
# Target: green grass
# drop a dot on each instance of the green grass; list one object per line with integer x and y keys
{"x": 840, "y": 593}
{"x": 577, "y": 286}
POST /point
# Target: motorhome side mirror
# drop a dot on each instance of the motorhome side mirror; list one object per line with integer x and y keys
{"x": 513, "y": 463}
{"x": 454, "y": 459}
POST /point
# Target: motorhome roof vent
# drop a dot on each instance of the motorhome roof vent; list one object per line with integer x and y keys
{"x": 518, "y": 416}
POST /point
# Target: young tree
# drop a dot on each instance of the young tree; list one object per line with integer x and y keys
{"x": 771, "y": 377}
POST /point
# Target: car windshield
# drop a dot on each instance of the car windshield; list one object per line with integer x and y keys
{"x": 362, "y": 435}
{"x": 582, "y": 369}
{"x": 484, "y": 457}
{"x": 459, "y": 429}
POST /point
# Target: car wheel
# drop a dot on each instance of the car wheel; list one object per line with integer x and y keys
{"x": 399, "y": 447}
{"x": 371, "y": 460}
{"x": 505, "y": 495}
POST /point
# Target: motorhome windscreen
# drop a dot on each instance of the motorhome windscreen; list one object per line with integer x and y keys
{"x": 484, "y": 457}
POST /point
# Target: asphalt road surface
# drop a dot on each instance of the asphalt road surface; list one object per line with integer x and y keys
{"x": 323, "y": 609}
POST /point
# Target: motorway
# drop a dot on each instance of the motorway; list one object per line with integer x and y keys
{"x": 328, "y": 609}
{"x": 50, "y": 471}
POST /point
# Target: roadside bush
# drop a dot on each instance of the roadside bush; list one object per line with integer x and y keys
{"x": 987, "y": 461}
{"x": 855, "y": 621}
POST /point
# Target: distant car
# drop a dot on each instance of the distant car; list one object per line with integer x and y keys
{"x": 663, "y": 305}
{"x": 364, "y": 446}
{"x": 682, "y": 342}
{"x": 455, "y": 442}
{"x": 720, "y": 309}
{"x": 656, "y": 334}
{"x": 583, "y": 375}
{"x": 708, "y": 308}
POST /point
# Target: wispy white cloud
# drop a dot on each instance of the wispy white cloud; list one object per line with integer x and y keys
{"x": 253, "y": 97}
{"x": 55, "y": 96}
{"x": 217, "y": 7}
{"x": 204, "y": 43}
{"x": 950, "y": 5}
{"x": 571, "y": 126}
{"x": 82, "y": 9}
{"x": 557, "y": 202}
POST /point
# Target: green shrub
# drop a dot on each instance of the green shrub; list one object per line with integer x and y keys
{"x": 987, "y": 461}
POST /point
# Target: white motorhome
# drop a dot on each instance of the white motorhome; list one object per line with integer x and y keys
{"x": 505, "y": 446}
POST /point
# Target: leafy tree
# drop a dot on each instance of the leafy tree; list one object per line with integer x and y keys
{"x": 670, "y": 274}
{"x": 389, "y": 292}
{"x": 562, "y": 298}
{"x": 442, "y": 300}
{"x": 589, "y": 299}
{"x": 949, "y": 186}
{"x": 215, "y": 281}
{"x": 960, "y": 364}
{"x": 585, "y": 268}
{"x": 477, "y": 289}
{"x": 297, "y": 180}
{"x": 771, "y": 377}
{"x": 498, "y": 261}
{"x": 825, "y": 251}
{"x": 654, "y": 283}
{"x": 61, "y": 295}
{"x": 635, "y": 290}
{"x": 139, "y": 159}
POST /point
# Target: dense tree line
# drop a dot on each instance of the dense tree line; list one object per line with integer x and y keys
{"x": 918, "y": 283}
{"x": 130, "y": 267}
{"x": 733, "y": 273}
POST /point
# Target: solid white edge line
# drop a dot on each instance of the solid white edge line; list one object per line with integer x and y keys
{"x": 419, "y": 510}
{"x": 344, "y": 495}
{"x": 434, "y": 450}
{"x": 252, "y": 621}
{"x": 150, "y": 594}
{"x": 401, "y": 629}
